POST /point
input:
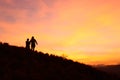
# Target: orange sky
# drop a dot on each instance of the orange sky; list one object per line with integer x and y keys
{"x": 84, "y": 30}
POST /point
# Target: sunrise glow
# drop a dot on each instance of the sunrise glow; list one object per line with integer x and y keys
{"x": 87, "y": 31}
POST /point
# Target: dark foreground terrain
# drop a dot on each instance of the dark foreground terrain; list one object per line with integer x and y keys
{"x": 17, "y": 63}
{"x": 112, "y": 69}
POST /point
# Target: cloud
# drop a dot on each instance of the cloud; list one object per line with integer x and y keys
{"x": 7, "y": 18}
{"x": 2, "y": 30}
{"x": 23, "y": 10}
{"x": 49, "y": 3}
{"x": 19, "y": 4}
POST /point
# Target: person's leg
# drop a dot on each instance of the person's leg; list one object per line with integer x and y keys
{"x": 33, "y": 48}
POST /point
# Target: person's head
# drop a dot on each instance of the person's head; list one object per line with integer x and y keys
{"x": 32, "y": 37}
{"x": 27, "y": 39}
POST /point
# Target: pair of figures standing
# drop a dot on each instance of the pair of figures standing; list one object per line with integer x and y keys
{"x": 30, "y": 44}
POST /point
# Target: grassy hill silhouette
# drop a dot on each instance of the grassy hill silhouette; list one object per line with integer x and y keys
{"x": 112, "y": 69}
{"x": 17, "y": 63}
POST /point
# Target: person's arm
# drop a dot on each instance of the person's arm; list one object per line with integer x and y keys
{"x": 36, "y": 42}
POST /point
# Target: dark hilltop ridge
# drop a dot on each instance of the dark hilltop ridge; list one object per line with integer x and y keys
{"x": 17, "y": 63}
{"x": 112, "y": 69}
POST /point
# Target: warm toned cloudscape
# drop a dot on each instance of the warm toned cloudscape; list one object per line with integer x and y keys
{"x": 85, "y": 30}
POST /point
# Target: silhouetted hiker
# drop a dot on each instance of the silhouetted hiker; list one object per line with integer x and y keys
{"x": 33, "y": 43}
{"x": 27, "y": 44}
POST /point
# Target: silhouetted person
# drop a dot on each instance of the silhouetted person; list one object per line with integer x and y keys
{"x": 33, "y": 43}
{"x": 27, "y": 44}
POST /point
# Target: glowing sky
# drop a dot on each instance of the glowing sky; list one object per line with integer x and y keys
{"x": 87, "y": 31}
